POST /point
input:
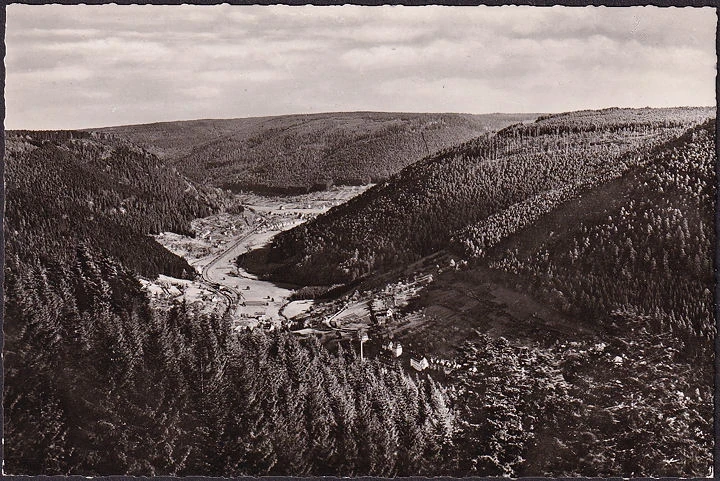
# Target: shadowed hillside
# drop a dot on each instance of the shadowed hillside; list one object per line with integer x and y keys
{"x": 631, "y": 258}
{"x": 297, "y": 153}
{"x": 640, "y": 248}
{"x": 634, "y": 251}
{"x": 67, "y": 189}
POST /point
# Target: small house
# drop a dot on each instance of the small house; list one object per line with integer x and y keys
{"x": 419, "y": 364}
{"x": 395, "y": 348}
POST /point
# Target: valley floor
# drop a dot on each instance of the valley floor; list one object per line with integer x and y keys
{"x": 221, "y": 238}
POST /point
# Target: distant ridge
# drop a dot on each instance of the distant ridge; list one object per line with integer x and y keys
{"x": 302, "y": 152}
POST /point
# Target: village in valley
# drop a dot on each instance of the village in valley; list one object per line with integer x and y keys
{"x": 396, "y": 318}
{"x": 373, "y": 321}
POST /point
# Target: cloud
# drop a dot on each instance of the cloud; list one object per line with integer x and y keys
{"x": 53, "y": 75}
{"x": 78, "y": 66}
{"x": 241, "y": 75}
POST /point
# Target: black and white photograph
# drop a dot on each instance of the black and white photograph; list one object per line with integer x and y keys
{"x": 346, "y": 240}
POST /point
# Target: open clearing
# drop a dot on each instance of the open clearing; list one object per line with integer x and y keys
{"x": 462, "y": 302}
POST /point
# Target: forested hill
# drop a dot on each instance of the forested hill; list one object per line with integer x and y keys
{"x": 296, "y": 153}
{"x": 632, "y": 258}
{"x": 68, "y": 191}
{"x": 98, "y": 383}
{"x": 644, "y": 245}
{"x": 429, "y": 203}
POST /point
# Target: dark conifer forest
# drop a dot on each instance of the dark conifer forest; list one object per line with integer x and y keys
{"x": 647, "y": 253}
{"x": 66, "y": 189}
{"x": 606, "y": 216}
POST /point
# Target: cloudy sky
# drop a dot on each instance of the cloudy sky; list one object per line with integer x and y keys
{"x": 90, "y": 66}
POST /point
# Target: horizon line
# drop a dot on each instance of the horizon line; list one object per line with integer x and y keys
{"x": 400, "y": 112}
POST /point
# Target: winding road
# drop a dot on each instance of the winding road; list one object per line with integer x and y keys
{"x": 249, "y": 298}
{"x": 246, "y": 296}
{"x": 230, "y": 293}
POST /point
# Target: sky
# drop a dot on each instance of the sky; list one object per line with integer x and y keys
{"x": 90, "y": 66}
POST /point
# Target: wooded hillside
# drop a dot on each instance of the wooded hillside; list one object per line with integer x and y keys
{"x": 98, "y": 383}
{"x": 606, "y": 216}
{"x": 66, "y": 189}
{"x": 419, "y": 210}
{"x": 645, "y": 252}
{"x": 297, "y": 153}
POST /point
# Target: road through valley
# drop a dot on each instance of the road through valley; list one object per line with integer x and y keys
{"x": 248, "y": 296}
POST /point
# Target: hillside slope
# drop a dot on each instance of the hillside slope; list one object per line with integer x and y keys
{"x": 296, "y": 153}
{"x": 583, "y": 322}
{"x": 639, "y": 249}
{"x": 429, "y": 203}
{"x": 66, "y": 190}
{"x": 636, "y": 250}
{"x": 634, "y": 258}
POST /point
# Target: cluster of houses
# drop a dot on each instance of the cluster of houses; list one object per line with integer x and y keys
{"x": 394, "y": 349}
{"x": 263, "y": 322}
{"x": 381, "y": 311}
{"x": 444, "y": 365}
{"x": 220, "y": 230}
{"x": 386, "y": 304}
{"x": 421, "y": 363}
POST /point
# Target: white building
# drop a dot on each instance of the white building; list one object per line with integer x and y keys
{"x": 419, "y": 365}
